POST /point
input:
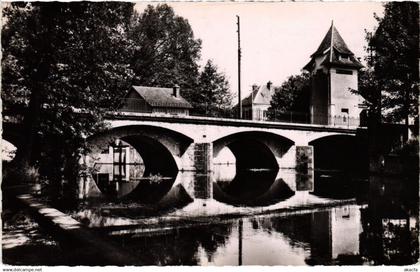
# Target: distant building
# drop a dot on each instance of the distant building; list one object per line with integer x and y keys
{"x": 155, "y": 100}
{"x": 255, "y": 105}
{"x": 334, "y": 71}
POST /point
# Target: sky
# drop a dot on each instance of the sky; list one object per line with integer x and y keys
{"x": 277, "y": 39}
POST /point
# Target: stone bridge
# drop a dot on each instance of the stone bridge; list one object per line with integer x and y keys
{"x": 187, "y": 145}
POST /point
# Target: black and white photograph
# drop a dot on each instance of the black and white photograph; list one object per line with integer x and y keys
{"x": 209, "y": 134}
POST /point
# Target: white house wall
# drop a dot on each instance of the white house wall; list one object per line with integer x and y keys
{"x": 341, "y": 97}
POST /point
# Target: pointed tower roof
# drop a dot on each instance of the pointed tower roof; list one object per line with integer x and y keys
{"x": 334, "y": 41}
{"x": 332, "y": 38}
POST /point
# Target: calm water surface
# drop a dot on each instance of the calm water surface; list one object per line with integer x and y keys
{"x": 383, "y": 229}
{"x": 338, "y": 235}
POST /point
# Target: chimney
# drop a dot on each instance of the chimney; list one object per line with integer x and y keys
{"x": 269, "y": 83}
{"x": 176, "y": 90}
{"x": 254, "y": 87}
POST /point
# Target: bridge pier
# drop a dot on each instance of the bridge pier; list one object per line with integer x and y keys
{"x": 195, "y": 170}
{"x": 304, "y": 168}
{"x": 203, "y": 162}
{"x": 296, "y": 168}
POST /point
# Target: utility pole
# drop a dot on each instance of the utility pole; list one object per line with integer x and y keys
{"x": 240, "y": 227}
{"x": 239, "y": 69}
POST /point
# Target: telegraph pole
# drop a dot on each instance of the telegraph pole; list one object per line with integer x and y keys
{"x": 239, "y": 68}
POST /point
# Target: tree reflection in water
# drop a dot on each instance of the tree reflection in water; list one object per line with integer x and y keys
{"x": 178, "y": 246}
{"x": 390, "y": 222}
{"x": 344, "y": 235}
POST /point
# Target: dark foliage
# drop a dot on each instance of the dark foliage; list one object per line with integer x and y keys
{"x": 293, "y": 95}
{"x": 390, "y": 83}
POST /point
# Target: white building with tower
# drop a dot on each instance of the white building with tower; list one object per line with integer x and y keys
{"x": 334, "y": 71}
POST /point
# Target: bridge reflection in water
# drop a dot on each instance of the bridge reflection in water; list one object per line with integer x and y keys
{"x": 382, "y": 231}
{"x": 231, "y": 185}
{"x": 330, "y": 236}
{"x": 244, "y": 187}
{"x": 248, "y": 177}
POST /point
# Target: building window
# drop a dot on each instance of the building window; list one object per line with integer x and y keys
{"x": 344, "y": 110}
{"x": 258, "y": 114}
{"x": 343, "y": 57}
{"x": 344, "y": 72}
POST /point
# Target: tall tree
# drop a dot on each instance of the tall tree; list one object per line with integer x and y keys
{"x": 166, "y": 51}
{"x": 58, "y": 58}
{"x": 293, "y": 95}
{"x": 392, "y": 72}
{"x": 212, "y": 97}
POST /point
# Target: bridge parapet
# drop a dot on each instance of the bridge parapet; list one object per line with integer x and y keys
{"x": 170, "y": 118}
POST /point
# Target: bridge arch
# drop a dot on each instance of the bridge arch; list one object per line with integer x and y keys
{"x": 145, "y": 136}
{"x": 257, "y": 147}
{"x": 335, "y": 152}
{"x": 321, "y": 135}
{"x": 257, "y": 161}
{"x": 174, "y": 141}
{"x": 340, "y": 163}
{"x": 157, "y": 149}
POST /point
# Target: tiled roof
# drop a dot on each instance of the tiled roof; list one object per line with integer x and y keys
{"x": 247, "y": 100}
{"x": 351, "y": 61}
{"x": 339, "y": 48}
{"x": 161, "y": 97}
{"x": 260, "y": 95}
{"x": 338, "y": 43}
{"x": 309, "y": 65}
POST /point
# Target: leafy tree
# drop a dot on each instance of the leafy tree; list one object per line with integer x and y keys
{"x": 293, "y": 95}
{"x": 390, "y": 84}
{"x": 166, "y": 52}
{"x": 64, "y": 64}
{"x": 212, "y": 97}
{"x": 58, "y": 58}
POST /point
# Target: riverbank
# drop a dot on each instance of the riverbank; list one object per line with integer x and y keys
{"x": 69, "y": 234}
{"x": 22, "y": 237}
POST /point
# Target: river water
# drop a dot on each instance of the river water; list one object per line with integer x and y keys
{"x": 337, "y": 235}
{"x": 381, "y": 227}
